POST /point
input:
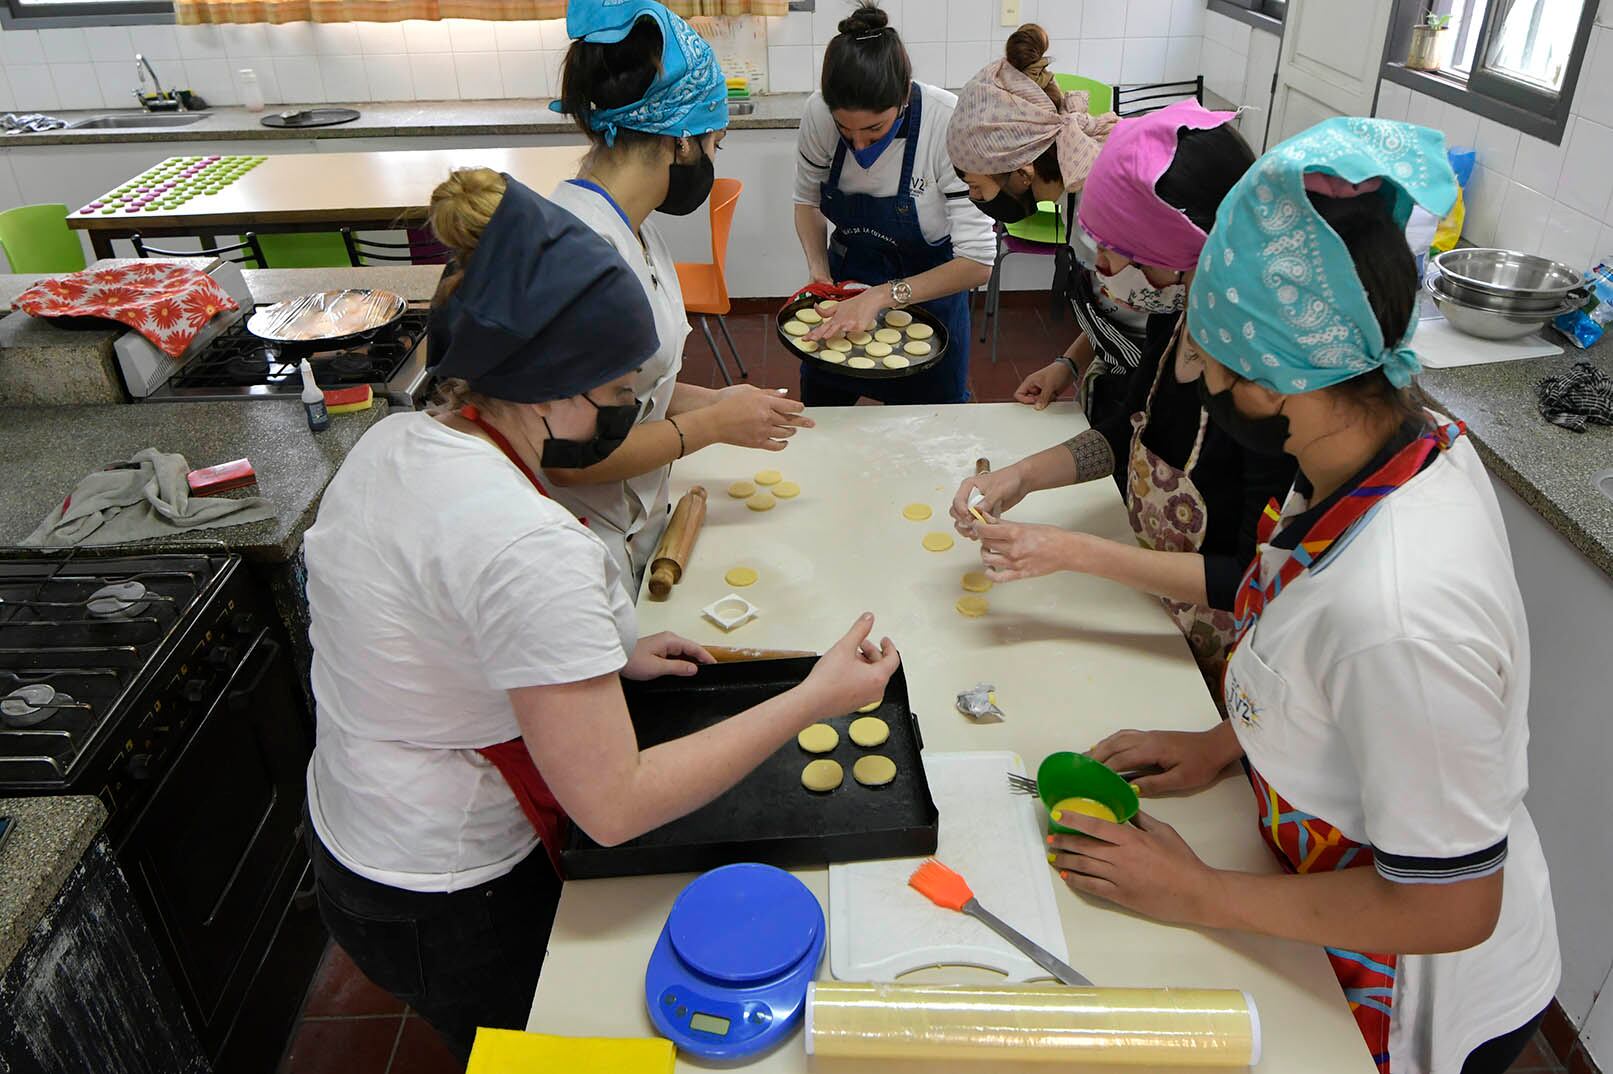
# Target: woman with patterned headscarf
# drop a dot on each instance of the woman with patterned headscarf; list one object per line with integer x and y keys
{"x": 1379, "y": 692}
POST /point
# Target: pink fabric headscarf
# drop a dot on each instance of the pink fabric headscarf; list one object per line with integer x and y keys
{"x": 1004, "y": 120}
{"x": 1119, "y": 207}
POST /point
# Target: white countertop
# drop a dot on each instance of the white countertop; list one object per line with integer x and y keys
{"x": 1073, "y": 658}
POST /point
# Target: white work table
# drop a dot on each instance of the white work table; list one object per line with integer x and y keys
{"x": 1073, "y": 659}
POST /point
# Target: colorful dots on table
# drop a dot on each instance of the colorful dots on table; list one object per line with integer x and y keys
{"x": 174, "y": 182}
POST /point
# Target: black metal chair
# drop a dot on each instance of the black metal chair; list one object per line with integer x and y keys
{"x": 251, "y": 252}
{"x": 1152, "y": 96}
{"x": 414, "y": 252}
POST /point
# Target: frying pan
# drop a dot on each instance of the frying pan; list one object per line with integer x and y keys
{"x": 811, "y": 295}
{"x": 327, "y": 319}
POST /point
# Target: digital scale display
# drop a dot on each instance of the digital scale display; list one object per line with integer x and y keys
{"x": 709, "y": 1023}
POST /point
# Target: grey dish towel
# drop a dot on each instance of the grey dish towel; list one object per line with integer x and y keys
{"x": 15, "y": 123}
{"x": 145, "y": 498}
{"x": 1578, "y": 398}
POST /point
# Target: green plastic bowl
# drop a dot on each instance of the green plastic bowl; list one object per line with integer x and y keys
{"x": 1075, "y": 775}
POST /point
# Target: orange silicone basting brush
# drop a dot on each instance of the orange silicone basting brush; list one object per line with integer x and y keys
{"x": 946, "y": 888}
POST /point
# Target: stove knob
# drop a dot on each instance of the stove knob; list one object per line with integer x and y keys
{"x": 194, "y": 691}
{"x": 138, "y": 767}
{"x": 221, "y": 657}
{"x": 241, "y": 623}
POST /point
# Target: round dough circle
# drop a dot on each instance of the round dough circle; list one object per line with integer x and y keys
{"x": 740, "y": 490}
{"x": 796, "y": 328}
{"x": 786, "y": 490}
{"x": 919, "y": 331}
{"x": 739, "y": 577}
{"x": 819, "y": 738}
{"x": 896, "y": 361}
{"x": 874, "y": 770}
{"x": 1087, "y": 807}
{"x": 860, "y": 362}
{"x": 762, "y": 501}
{"x": 917, "y": 350}
{"x": 768, "y": 477}
{"x": 807, "y": 345}
{"x": 878, "y": 350}
{"x": 872, "y": 705}
{"x": 898, "y": 318}
{"x": 972, "y": 607}
{"x": 976, "y": 582}
{"x": 827, "y": 306}
{"x": 823, "y": 775}
{"x": 869, "y": 731}
{"x": 937, "y": 541}
{"x": 861, "y": 339}
{"x": 842, "y": 345}
{"x": 888, "y": 335}
{"x": 809, "y": 316}
{"x": 833, "y": 357}
{"x": 916, "y": 512}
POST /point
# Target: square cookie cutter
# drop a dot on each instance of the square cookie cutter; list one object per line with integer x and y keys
{"x": 730, "y": 612}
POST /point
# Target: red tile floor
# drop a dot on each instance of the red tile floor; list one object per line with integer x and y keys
{"x": 352, "y": 1027}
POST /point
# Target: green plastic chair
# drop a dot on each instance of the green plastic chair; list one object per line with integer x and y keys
{"x": 36, "y": 238}
{"x": 305, "y": 249}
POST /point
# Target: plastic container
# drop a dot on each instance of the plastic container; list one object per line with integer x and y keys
{"x": 1075, "y": 775}
{"x": 313, "y": 400}
{"x": 251, "y": 92}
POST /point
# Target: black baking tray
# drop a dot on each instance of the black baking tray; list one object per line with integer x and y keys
{"x": 938, "y": 343}
{"x": 768, "y": 816}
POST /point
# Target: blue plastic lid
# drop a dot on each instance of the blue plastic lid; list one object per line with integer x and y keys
{"x": 744, "y": 923}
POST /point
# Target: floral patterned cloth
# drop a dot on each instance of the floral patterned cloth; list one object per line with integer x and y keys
{"x": 166, "y": 303}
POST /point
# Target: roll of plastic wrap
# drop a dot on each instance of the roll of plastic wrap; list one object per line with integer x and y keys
{"x": 1140, "y": 1027}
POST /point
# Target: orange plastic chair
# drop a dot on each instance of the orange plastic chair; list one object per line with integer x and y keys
{"x": 705, "y": 286}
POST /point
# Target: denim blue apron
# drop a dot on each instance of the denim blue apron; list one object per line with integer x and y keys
{"x": 877, "y": 240}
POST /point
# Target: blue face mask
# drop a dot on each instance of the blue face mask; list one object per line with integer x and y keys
{"x": 866, "y": 157}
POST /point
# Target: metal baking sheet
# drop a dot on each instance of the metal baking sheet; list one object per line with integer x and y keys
{"x": 938, "y": 344}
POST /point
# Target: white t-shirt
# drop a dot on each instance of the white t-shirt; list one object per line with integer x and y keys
{"x": 1387, "y": 694}
{"x": 629, "y": 516}
{"x": 438, "y": 579}
{"x": 942, "y": 198}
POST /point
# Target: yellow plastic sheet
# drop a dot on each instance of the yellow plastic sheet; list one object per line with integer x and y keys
{"x": 508, "y": 1051}
{"x": 1155, "y": 1028}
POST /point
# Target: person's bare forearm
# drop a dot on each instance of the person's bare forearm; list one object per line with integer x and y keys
{"x": 1052, "y": 468}
{"x": 650, "y": 446}
{"x": 687, "y": 397}
{"x": 948, "y": 278}
{"x": 812, "y": 228}
{"x": 1176, "y": 575}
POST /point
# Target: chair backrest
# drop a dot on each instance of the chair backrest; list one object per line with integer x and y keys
{"x": 305, "y": 249}
{"x": 724, "y": 199}
{"x": 1100, "y": 95}
{"x": 251, "y": 253}
{"x": 1152, "y": 96}
{"x": 417, "y": 251}
{"x": 36, "y": 238}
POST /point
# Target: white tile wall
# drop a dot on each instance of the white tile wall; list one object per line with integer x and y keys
{"x": 949, "y": 40}
{"x": 1238, "y": 61}
{"x": 1527, "y": 194}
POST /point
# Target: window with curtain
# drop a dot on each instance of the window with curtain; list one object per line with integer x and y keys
{"x": 205, "y": 11}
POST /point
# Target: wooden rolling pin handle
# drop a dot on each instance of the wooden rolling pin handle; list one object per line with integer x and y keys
{"x": 672, "y": 555}
{"x": 662, "y": 579}
{"x": 982, "y": 466}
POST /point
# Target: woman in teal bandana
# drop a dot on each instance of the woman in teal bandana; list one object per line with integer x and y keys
{"x": 1378, "y": 693}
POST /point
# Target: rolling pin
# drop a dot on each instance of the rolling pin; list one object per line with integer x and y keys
{"x": 677, "y": 543}
{"x": 728, "y": 655}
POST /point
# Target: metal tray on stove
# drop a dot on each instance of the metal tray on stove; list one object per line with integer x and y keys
{"x": 937, "y": 342}
{"x": 768, "y": 816}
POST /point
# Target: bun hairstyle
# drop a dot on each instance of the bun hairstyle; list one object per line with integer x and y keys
{"x": 460, "y": 208}
{"x": 1027, "y": 52}
{"x": 1208, "y": 164}
{"x": 866, "y": 67}
{"x": 597, "y": 76}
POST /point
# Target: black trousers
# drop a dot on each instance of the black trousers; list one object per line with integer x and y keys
{"x": 462, "y": 959}
{"x": 1496, "y": 1055}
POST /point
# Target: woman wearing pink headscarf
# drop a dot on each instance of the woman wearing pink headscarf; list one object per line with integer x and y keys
{"x": 1193, "y": 494}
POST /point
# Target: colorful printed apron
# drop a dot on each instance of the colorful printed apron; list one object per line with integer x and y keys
{"x": 1304, "y": 843}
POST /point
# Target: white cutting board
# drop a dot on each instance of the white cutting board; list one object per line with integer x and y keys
{"x": 881, "y": 929}
{"x": 1440, "y": 346}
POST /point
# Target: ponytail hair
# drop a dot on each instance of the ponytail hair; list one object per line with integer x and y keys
{"x": 866, "y": 66}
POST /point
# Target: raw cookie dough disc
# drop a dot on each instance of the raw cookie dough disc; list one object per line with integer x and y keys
{"x": 872, "y": 705}
{"x": 826, "y": 307}
{"x": 919, "y": 331}
{"x": 878, "y": 350}
{"x": 917, "y": 349}
{"x": 762, "y": 501}
{"x": 860, "y": 362}
{"x": 824, "y": 775}
{"x": 873, "y": 770}
{"x": 861, "y": 339}
{"x": 976, "y": 582}
{"x": 896, "y": 361}
{"x": 796, "y": 328}
{"x": 914, "y": 512}
{"x": 768, "y": 477}
{"x": 972, "y": 607}
{"x": 869, "y": 731}
{"x": 741, "y": 490}
{"x": 741, "y": 577}
{"x": 842, "y": 345}
{"x": 937, "y": 541}
{"x": 833, "y": 357}
{"x": 786, "y": 490}
{"x": 807, "y": 345}
{"x": 898, "y": 318}
{"x": 819, "y": 738}
{"x": 888, "y": 335}
{"x": 809, "y": 316}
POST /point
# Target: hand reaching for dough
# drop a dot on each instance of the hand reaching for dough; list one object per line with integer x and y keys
{"x": 1002, "y": 489}
{"x": 1044, "y": 385}
{"x": 852, "y": 673}
{"x": 1015, "y": 550}
{"x": 747, "y": 416}
{"x": 860, "y": 314}
{"x": 665, "y": 654}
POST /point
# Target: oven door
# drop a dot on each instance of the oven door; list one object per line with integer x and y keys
{"x": 216, "y": 855}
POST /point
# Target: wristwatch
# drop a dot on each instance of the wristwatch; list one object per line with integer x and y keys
{"x": 901, "y": 293}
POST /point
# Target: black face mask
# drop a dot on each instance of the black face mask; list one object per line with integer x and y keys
{"x": 688, "y": 185}
{"x": 1264, "y": 436}
{"x": 1005, "y": 208}
{"x": 610, "y": 432}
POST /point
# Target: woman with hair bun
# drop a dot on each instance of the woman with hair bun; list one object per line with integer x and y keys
{"x": 873, "y": 162}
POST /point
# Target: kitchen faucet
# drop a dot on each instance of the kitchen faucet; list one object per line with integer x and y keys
{"x": 161, "y": 100}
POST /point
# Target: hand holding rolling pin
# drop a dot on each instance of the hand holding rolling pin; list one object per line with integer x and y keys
{"x": 999, "y": 490}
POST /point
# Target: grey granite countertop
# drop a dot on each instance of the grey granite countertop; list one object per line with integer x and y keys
{"x": 55, "y": 446}
{"x": 410, "y": 119}
{"x": 49, "y": 838}
{"x": 1551, "y": 468}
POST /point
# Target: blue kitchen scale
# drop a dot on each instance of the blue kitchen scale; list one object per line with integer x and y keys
{"x": 729, "y": 974}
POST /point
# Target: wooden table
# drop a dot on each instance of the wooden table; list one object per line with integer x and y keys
{"x": 325, "y": 191}
{"x": 1073, "y": 659}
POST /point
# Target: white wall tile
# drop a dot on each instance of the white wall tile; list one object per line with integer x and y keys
{"x": 1147, "y": 18}
{"x": 1101, "y": 59}
{"x": 117, "y": 86}
{"x": 969, "y": 20}
{"x": 1187, "y": 18}
{"x": 526, "y": 74}
{"x": 109, "y": 44}
{"x": 789, "y": 68}
{"x": 389, "y": 77}
{"x": 1425, "y": 111}
{"x": 519, "y": 36}
{"x": 426, "y": 37}
{"x": 1227, "y": 32}
{"x": 555, "y": 38}
{"x": 7, "y": 182}
{"x": 31, "y": 87}
{"x": 827, "y": 15}
{"x": 263, "y": 68}
{"x": 1065, "y": 54}
{"x": 1224, "y": 73}
{"x": 1570, "y": 237}
{"x": 299, "y": 79}
{"x": 381, "y": 38}
{"x": 1483, "y": 198}
{"x": 478, "y": 76}
{"x": 1497, "y": 146}
{"x": 1393, "y": 101}
{"x": 336, "y": 39}
{"x": 1593, "y": 99}
{"x": 1523, "y": 219}
{"x": 1261, "y": 69}
{"x": 1461, "y": 127}
{"x": 817, "y": 63}
{"x": 1182, "y": 58}
{"x": 1587, "y": 175}
{"x": 471, "y": 35}
{"x": 929, "y": 63}
{"x": 245, "y": 39}
{"x": 345, "y": 78}
{"x": 214, "y": 80}
{"x": 555, "y": 63}
{"x": 1539, "y": 163}
{"x": 1143, "y": 60}
{"x": 964, "y": 59}
{"x": 796, "y": 29}
{"x": 200, "y": 42}
{"x": 923, "y": 21}
{"x": 434, "y": 76}
{"x": 64, "y": 46}
{"x": 155, "y": 42}
{"x": 76, "y": 85}
{"x": 1103, "y": 18}
{"x": 21, "y": 47}
{"x": 1062, "y": 18}
{"x": 291, "y": 39}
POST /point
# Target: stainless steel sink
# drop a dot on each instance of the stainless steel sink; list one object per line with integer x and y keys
{"x": 135, "y": 120}
{"x": 1604, "y": 483}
